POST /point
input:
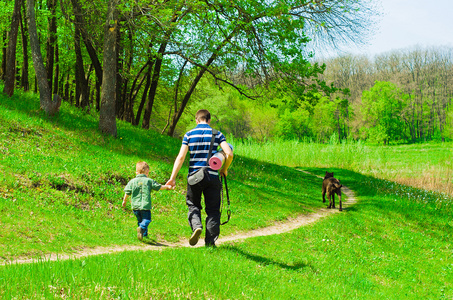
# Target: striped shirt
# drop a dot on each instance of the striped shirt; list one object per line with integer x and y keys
{"x": 199, "y": 140}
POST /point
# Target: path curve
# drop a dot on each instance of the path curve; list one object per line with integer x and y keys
{"x": 277, "y": 228}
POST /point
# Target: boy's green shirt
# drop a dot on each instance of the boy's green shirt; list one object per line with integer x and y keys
{"x": 139, "y": 189}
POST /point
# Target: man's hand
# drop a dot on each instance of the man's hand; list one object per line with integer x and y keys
{"x": 224, "y": 173}
{"x": 171, "y": 182}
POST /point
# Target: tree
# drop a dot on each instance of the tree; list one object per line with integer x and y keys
{"x": 324, "y": 119}
{"x": 261, "y": 39}
{"x": 160, "y": 44}
{"x": 51, "y": 42}
{"x": 10, "y": 72}
{"x": 49, "y": 105}
{"x": 24, "y": 33}
{"x": 382, "y": 108}
{"x": 294, "y": 124}
{"x": 449, "y": 123}
{"x": 107, "y": 116}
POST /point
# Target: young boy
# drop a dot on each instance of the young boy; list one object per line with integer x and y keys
{"x": 139, "y": 189}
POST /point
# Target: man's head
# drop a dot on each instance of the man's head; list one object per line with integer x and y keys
{"x": 203, "y": 116}
{"x": 142, "y": 168}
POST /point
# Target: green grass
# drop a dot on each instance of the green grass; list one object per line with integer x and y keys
{"x": 427, "y": 166}
{"x": 63, "y": 181}
{"x": 395, "y": 243}
{"x": 384, "y": 247}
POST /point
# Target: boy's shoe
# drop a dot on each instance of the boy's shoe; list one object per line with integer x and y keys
{"x": 140, "y": 233}
{"x": 195, "y": 237}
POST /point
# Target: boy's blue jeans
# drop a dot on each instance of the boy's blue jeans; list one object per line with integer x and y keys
{"x": 143, "y": 219}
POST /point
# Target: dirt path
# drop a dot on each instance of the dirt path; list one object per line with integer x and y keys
{"x": 278, "y": 228}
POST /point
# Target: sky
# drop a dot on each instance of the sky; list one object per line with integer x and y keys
{"x": 409, "y": 23}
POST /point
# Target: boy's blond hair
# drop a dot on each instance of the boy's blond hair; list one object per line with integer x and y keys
{"x": 141, "y": 167}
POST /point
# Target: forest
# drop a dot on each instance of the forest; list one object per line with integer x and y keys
{"x": 251, "y": 63}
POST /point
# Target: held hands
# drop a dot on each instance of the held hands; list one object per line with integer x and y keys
{"x": 171, "y": 183}
{"x": 168, "y": 187}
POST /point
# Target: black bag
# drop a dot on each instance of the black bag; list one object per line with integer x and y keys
{"x": 199, "y": 174}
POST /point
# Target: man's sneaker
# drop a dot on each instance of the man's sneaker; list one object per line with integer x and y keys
{"x": 195, "y": 237}
{"x": 140, "y": 233}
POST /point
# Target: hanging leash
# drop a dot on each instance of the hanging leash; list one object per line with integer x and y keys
{"x": 223, "y": 178}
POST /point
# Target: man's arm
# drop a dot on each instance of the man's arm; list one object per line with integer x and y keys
{"x": 228, "y": 157}
{"x": 178, "y": 164}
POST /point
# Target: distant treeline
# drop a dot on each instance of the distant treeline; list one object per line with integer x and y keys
{"x": 402, "y": 96}
{"x": 399, "y": 95}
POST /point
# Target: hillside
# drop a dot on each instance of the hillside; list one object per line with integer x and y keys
{"x": 61, "y": 189}
{"x": 62, "y": 183}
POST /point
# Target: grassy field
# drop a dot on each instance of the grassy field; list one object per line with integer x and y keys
{"x": 63, "y": 181}
{"x": 427, "y": 166}
{"x": 61, "y": 192}
{"x": 384, "y": 247}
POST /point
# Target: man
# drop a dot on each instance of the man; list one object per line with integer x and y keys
{"x": 197, "y": 141}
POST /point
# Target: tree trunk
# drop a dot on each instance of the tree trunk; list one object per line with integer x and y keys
{"x": 154, "y": 84}
{"x": 66, "y": 89}
{"x": 24, "y": 30}
{"x": 98, "y": 95}
{"x": 144, "y": 96}
{"x": 49, "y": 105}
{"x": 51, "y": 41}
{"x": 175, "y": 99}
{"x": 10, "y": 71}
{"x": 80, "y": 22}
{"x": 57, "y": 70}
{"x": 107, "y": 118}
{"x": 4, "y": 50}
{"x": 121, "y": 83}
{"x": 185, "y": 100}
{"x": 79, "y": 71}
{"x": 130, "y": 99}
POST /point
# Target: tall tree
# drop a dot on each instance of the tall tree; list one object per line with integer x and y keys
{"x": 24, "y": 33}
{"x": 51, "y": 41}
{"x": 383, "y": 107}
{"x": 10, "y": 72}
{"x": 49, "y": 105}
{"x": 264, "y": 39}
{"x": 81, "y": 25}
{"x": 107, "y": 116}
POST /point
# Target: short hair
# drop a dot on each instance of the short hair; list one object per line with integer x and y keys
{"x": 141, "y": 167}
{"x": 203, "y": 115}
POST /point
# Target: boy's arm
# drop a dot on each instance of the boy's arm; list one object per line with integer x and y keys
{"x": 124, "y": 199}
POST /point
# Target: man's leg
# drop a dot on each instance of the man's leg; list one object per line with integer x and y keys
{"x": 193, "y": 201}
{"x": 212, "y": 202}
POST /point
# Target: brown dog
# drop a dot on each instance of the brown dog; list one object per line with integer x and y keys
{"x": 331, "y": 186}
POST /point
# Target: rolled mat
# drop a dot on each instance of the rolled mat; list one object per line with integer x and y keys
{"x": 216, "y": 161}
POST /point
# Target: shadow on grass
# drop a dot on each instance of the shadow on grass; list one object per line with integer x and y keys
{"x": 267, "y": 261}
{"x": 154, "y": 243}
{"x": 351, "y": 208}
